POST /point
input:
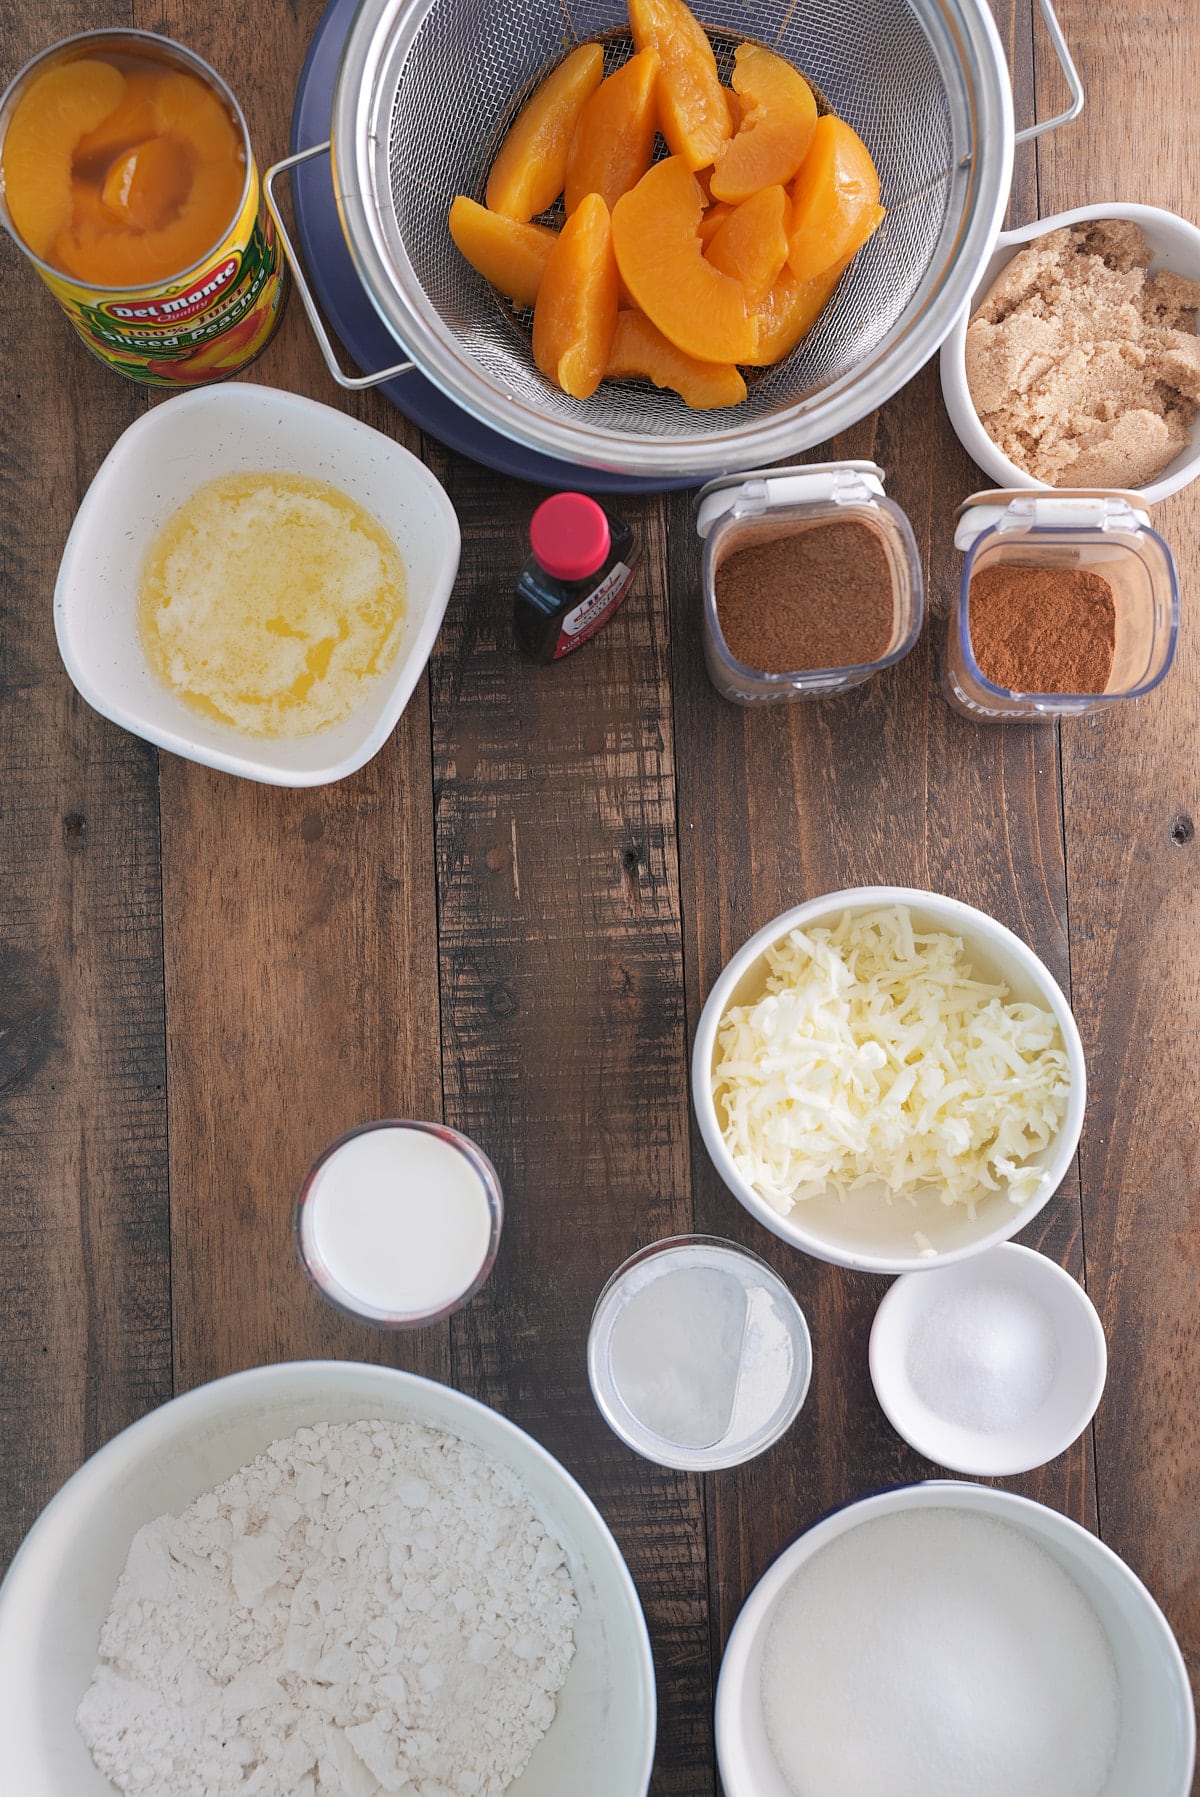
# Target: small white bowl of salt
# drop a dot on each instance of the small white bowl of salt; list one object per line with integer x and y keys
{"x": 991, "y": 1366}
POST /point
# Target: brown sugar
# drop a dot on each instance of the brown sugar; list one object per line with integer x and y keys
{"x": 1042, "y": 630}
{"x": 795, "y": 599}
{"x": 1084, "y": 368}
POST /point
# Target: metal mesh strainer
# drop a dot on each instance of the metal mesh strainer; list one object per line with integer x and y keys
{"x": 426, "y": 88}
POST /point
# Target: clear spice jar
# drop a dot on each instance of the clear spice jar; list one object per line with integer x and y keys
{"x": 849, "y": 602}
{"x": 1050, "y": 551}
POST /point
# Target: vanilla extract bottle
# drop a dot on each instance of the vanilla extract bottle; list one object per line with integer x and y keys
{"x": 583, "y": 565}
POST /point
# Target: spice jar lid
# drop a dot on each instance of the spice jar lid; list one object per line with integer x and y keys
{"x": 809, "y": 483}
{"x": 1012, "y": 511}
{"x": 699, "y": 1357}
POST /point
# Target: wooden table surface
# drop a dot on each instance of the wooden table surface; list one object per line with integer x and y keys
{"x": 510, "y": 919}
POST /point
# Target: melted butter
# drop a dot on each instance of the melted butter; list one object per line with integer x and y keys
{"x": 271, "y": 602}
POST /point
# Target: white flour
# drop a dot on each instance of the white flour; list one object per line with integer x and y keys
{"x": 368, "y": 1607}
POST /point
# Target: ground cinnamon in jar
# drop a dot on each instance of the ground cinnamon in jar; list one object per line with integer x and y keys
{"x": 1042, "y": 630}
{"x": 817, "y": 597}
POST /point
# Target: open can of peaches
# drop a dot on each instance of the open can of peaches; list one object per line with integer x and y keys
{"x": 128, "y": 181}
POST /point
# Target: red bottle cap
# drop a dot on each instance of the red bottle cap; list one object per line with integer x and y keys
{"x": 570, "y": 536}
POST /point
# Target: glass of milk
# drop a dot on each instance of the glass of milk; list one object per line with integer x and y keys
{"x": 398, "y": 1223}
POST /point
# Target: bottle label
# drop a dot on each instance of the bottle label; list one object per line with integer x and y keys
{"x": 590, "y": 613}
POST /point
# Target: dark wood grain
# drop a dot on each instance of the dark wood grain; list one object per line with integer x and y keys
{"x": 301, "y": 945}
{"x": 511, "y": 918}
{"x": 85, "y": 1342}
{"x": 1132, "y": 799}
{"x": 564, "y": 1034}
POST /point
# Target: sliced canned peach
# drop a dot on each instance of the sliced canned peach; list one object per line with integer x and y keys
{"x": 146, "y": 185}
{"x": 714, "y": 217}
{"x": 661, "y": 258}
{"x": 186, "y": 108}
{"x": 531, "y": 166}
{"x": 131, "y": 123}
{"x": 751, "y": 244}
{"x": 106, "y": 256}
{"x": 788, "y": 313}
{"x": 57, "y": 109}
{"x": 778, "y": 118}
{"x": 641, "y": 352}
{"x": 835, "y": 200}
{"x": 613, "y": 143}
{"x": 575, "y": 317}
{"x": 693, "y": 108}
{"x": 505, "y": 252}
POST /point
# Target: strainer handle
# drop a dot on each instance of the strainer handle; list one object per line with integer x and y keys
{"x": 1070, "y": 73}
{"x": 352, "y": 381}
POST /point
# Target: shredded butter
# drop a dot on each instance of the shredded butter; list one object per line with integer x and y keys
{"x": 875, "y": 1055}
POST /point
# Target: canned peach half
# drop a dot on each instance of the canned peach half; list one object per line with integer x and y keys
{"x": 129, "y": 182}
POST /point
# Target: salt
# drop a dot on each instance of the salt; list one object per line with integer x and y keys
{"x": 935, "y": 1653}
{"x": 984, "y": 1357}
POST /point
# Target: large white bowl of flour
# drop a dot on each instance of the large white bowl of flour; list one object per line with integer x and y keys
{"x": 948, "y": 1638}
{"x": 60, "y": 1585}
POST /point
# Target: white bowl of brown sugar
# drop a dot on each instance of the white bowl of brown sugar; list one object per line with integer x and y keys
{"x": 1076, "y": 363}
{"x": 811, "y": 581}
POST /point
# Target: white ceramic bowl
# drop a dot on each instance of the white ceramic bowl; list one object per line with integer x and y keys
{"x": 1078, "y": 1379}
{"x": 1176, "y": 245}
{"x": 868, "y": 1232}
{"x": 1156, "y": 1744}
{"x": 59, "y": 1587}
{"x": 148, "y": 474}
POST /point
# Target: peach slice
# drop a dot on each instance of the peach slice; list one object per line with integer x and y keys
{"x": 531, "y": 166}
{"x": 835, "y": 200}
{"x": 131, "y": 123}
{"x": 184, "y": 107}
{"x": 714, "y": 218}
{"x": 510, "y": 255}
{"x": 107, "y": 256}
{"x": 640, "y": 351}
{"x": 693, "y": 110}
{"x": 778, "y": 118}
{"x": 789, "y": 312}
{"x": 752, "y": 243}
{"x": 147, "y": 184}
{"x": 655, "y": 231}
{"x": 613, "y": 144}
{"x": 575, "y": 317}
{"x": 57, "y": 109}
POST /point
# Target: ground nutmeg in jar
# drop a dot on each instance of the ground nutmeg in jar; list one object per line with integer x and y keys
{"x": 820, "y": 596}
{"x": 1042, "y": 630}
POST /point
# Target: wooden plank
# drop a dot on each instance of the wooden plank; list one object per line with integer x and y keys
{"x": 84, "y": 1288}
{"x": 884, "y": 785}
{"x": 1132, "y": 800}
{"x": 563, "y": 1032}
{"x": 301, "y": 949}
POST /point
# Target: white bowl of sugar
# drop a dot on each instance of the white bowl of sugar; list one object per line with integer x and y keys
{"x": 948, "y": 1638}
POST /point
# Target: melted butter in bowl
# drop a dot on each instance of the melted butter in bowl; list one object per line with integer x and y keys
{"x": 271, "y": 603}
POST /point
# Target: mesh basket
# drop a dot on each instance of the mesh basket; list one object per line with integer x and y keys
{"x": 427, "y": 87}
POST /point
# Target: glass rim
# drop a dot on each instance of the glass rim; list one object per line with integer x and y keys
{"x": 338, "y": 1295}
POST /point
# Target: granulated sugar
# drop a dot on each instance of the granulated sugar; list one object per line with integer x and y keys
{"x": 938, "y": 1653}
{"x": 368, "y": 1607}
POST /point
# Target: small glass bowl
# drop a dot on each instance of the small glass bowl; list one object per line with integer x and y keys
{"x": 772, "y": 1321}
{"x": 325, "y": 1279}
{"x": 764, "y": 505}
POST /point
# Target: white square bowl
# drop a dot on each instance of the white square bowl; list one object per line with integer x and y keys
{"x": 149, "y": 473}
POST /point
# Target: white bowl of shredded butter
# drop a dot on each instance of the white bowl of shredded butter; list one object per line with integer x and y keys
{"x": 889, "y": 1079}
{"x": 320, "y": 1578}
{"x": 255, "y": 581}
